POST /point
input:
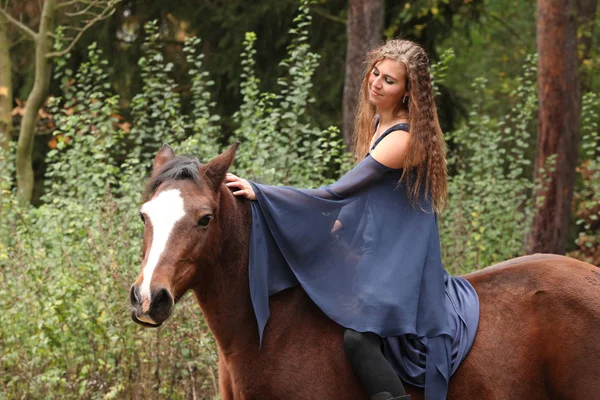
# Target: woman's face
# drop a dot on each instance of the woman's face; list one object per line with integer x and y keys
{"x": 387, "y": 82}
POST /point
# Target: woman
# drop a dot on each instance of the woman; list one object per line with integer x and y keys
{"x": 366, "y": 249}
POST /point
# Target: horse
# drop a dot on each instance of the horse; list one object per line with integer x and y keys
{"x": 538, "y": 335}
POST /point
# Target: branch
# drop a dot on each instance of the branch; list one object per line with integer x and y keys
{"x": 16, "y": 42}
{"x": 326, "y": 15}
{"x": 82, "y": 12}
{"x": 69, "y": 3}
{"x": 72, "y": 28}
{"x": 65, "y": 38}
{"x": 510, "y": 30}
{"x": 103, "y": 15}
{"x": 19, "y": 25}
{"x": 79, "y": 13}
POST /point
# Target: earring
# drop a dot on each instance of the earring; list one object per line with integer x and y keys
{"x": 405, "y": 99}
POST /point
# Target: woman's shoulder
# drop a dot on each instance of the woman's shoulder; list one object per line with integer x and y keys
{"x": 392, "y": 149}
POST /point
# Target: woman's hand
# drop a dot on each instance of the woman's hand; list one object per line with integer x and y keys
{"x": 337, "y": 225}
{"x": 244, "y": 187}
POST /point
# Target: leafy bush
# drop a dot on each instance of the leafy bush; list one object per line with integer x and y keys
{"x": 490, "y": 194}
{"x": 587, "y": 198}
{"x": 279, "y": 143}
{"x": 66, "y": 266}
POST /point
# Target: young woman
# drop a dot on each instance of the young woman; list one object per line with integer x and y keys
{"x": 366, "y": 249}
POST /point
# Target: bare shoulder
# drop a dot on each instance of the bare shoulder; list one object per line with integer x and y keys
{"x": 392, "y": 149}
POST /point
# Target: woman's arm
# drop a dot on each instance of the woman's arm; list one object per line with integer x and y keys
{"x": 389, "y": 154}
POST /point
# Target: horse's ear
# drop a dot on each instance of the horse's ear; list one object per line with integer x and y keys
{"x": 164, "y": 155}
{"x": 216, "y": 169}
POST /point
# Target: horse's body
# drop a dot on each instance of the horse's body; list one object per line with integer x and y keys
{"x": 538, "y": 336}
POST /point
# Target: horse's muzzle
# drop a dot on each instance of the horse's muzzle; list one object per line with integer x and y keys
{"x": 161, "y": 307}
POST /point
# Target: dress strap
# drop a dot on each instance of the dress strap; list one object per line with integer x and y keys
{"x": 398, "y": 127}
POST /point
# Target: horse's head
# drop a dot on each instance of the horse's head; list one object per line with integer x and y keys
{"x": 180, "y": 231}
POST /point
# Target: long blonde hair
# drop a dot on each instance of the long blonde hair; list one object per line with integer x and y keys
{"x": 427, "y": 154}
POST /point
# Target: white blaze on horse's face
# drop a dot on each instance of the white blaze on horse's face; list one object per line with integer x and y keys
{"x": 162, "y": 212}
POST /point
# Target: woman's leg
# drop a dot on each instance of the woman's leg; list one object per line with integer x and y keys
{"x": 373, "y": 370}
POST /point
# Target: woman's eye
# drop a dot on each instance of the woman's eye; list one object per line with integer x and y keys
{"x": 204, "y": 221}
{"x": 375, "y": 72}
{"x": 389, "y": 81}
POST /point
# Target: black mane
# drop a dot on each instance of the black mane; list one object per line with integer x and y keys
{"x": 179, "y": 168}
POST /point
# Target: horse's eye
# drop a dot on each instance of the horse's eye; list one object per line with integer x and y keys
{"x": 204, "y": 221}
{"x": 142, "y": 218}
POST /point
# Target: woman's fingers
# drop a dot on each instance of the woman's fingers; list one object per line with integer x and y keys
{"x": 242, "y": 192}
{"x": 232, "y": 181}
{"x": 234, "y": 184}
{"x": 231, "y": 177}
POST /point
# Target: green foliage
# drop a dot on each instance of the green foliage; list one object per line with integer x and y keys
{"x": 66, "y": 267}
{"x": 587, "y": 197}
{"x": 86, "y": 135}
{"x": 439, "y": 70}
{"x": 7, "y": 201}
{"x": 279, "y": 142}
{"x": 203, "y": 142}
{"x": 65, "y": 328}
{"x": 157, "y": 109}
{"x": 490, "y": 195}
{"x": 492, "y": 42}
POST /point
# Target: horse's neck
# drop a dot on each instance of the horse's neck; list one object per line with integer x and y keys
{"x": 223, "y": 289}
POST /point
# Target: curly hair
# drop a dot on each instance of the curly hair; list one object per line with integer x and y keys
{"x": 426, "y": 157}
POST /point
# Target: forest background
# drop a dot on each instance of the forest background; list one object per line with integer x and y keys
{"x": 89, "y": 90}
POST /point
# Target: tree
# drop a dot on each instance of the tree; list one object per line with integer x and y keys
{"x": 558, "y": 122}
{"x": 364, "y": 31}
{"x": 83, "y": 14}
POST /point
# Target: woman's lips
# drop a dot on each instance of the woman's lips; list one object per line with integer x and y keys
{"x": 375, "y": 93}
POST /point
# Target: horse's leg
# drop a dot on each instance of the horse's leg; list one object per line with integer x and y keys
{"x": 225, "y": 387}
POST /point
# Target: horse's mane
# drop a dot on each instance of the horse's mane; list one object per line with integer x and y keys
{"x": 179, "y": 168}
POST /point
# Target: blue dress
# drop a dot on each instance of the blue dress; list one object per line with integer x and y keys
{"x": 381, "y": 273}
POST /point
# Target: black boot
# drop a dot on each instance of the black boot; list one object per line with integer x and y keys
{"x": 388, "y": 396}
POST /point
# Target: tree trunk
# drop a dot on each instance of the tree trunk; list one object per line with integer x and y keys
{"x": 6, "y": 99}
{"x": 558, "y": 124}
{"x": 364, "y": 31}
{"x": 25, "y": 178}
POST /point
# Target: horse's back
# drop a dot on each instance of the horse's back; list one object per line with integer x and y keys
{"x": 538, "y": 338}
{"x": 539, "y": 331}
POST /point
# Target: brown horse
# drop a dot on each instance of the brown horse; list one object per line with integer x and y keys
{"x": 539, "y": 330}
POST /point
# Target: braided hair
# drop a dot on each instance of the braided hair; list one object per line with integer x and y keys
{"x": 426, "y": 158}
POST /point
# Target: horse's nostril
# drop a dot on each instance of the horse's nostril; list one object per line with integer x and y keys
{"x": 133, "y": 295}
{"x": 162, "y": 298}
{"x": 162, "y": 305}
